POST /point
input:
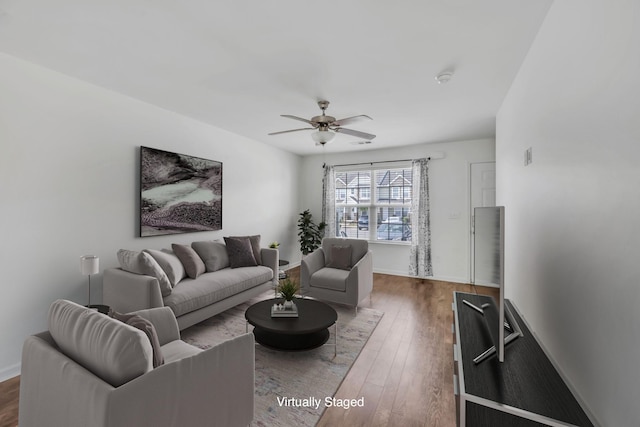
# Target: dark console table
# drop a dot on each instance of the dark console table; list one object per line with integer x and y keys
{"x": 525, "y": 390}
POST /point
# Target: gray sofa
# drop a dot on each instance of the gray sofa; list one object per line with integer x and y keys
{"x": 219, "y": 288}
{"x": 91, "y": 370}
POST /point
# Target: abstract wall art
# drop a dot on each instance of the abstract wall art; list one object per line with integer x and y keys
{"x": 178, "y": 193}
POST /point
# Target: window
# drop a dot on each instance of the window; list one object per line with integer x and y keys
{"x": 374, "y": 204}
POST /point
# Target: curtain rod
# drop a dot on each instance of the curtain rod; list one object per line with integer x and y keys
{"x": 373, "y": 163}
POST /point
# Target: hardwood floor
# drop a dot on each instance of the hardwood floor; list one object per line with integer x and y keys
{"x": 404, "y": 372}
{"x": 9, "y": 391}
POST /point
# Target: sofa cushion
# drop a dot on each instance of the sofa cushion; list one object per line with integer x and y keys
{"x": 255, "y": 246}
{"x": 143, "y": 263}
{"x": 193, "y": 264}
{"x": 145, "y": 326}
{"x": 340, "y": 257}
{"x": 213, "y": 253}
{"x": 190, "y": 295}
{"x": 112, "y": 350}
{"x": 170, "y": 264}
{"x": 240, "y": 252}
{"x": 330, "y": 278}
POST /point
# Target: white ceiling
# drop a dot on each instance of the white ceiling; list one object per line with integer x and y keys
{"x": 239, "y": 64}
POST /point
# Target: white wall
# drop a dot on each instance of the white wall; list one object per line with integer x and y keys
{"x": 68, "y": 186}
{"x": 572, "y": 215}
{"x": 449, "y": 191}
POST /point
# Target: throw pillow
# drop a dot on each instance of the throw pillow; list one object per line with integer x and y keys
{"x": 145, "y": 326}
{"x": 214, "y": 254}
{"x": 240, "y": 252}
{"x": 255, "y": 246}
{"x": 169, "y": 263}
{"x": 143, "y": 263}
{"x": 192, "y": 263}
{"x": 340, "y": 257}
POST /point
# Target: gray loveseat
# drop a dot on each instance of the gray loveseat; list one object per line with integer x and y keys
{"x": 192, "y": 300}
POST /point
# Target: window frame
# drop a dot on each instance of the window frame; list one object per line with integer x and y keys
{"x": 371, "y": 204}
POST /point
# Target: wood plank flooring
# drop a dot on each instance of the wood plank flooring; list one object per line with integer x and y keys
{"x": 9, "y": 393}
{"x": 404, "y": 372}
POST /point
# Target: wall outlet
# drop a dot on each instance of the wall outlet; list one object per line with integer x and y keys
{"x": 528, "y": 157}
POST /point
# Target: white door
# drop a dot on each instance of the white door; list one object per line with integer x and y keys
{"x": 483, "y": 194}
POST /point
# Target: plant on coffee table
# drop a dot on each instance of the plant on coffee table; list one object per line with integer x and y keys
{"x": 288, "y": 289}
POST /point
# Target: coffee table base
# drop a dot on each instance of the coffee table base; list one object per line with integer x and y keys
{"x": 297, "y": 342}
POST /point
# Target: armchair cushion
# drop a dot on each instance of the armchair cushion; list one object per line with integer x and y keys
{"x": 359, "y": 248}
{"x": 149, "y": 330}
{"x": 340, "y": 257}
{"x": 177, "y": 350}
{"x": 330, "y": 278}
{"x": 112, "y": 350}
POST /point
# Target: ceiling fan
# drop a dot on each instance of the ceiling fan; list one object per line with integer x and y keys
{"x": 326, "y": 126}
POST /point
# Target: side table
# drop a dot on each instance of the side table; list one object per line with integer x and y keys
{"x": 104, "y": 309}
{"x": 282, "y": 274}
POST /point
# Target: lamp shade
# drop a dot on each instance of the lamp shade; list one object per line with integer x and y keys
{"x": 322, "y": 136}
{"x": 89, "y": 264}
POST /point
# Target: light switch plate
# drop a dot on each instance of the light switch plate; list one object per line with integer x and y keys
{"x": 528, "y": 156}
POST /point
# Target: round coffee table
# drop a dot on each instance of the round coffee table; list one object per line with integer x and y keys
{"x": 307, "y": 331}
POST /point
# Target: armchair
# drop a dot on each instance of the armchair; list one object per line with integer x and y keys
{"x": 91, "y": 370}
{"x": 340, "y": 271}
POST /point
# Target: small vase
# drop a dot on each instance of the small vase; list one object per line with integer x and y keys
{"x": 288, "y": 305}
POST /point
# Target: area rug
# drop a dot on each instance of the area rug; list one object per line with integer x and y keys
{"x": 286, "y": 382}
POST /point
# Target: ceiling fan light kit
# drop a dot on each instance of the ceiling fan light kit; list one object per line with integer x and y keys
{"x": 325, "y": 127}
{"x": 322, "y": 136}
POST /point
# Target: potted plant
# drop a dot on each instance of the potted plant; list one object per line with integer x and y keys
{"x": 309, "y": 232}
{"x": 274, "y": 245}
{"x": 288, "y": 289}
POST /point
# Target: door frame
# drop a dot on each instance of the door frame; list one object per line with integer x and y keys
{"x": 469, "y": 212}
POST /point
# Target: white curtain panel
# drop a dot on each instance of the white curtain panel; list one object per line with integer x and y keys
{"x": 420, "y": 258}
{"x": 329, "y": 201}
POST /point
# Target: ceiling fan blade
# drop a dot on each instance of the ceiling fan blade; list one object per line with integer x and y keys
{"x": 357, "y": 133}
{"x": 297, "y": 118}
{"x": 292, "y": 130}
{"x": 349, "y": 120}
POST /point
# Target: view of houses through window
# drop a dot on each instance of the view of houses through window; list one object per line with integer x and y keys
{"x": 375, "y": 209}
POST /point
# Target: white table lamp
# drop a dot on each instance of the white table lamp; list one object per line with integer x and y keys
{"x": 89, "y": 264}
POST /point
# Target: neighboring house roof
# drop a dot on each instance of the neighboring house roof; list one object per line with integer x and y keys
{"x": 395, "y": 177}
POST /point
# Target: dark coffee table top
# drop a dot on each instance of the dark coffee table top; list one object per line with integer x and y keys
{"x": 313, "y": 316}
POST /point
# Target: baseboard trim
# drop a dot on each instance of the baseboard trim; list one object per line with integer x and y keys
{"x": 10, "y": 372}
{"x": 404, "y": 274}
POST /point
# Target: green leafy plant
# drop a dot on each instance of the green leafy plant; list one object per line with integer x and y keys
{"x": 310, "y": 233}
{"x": 274, "y": 245}
{"x": 288, "y": 289}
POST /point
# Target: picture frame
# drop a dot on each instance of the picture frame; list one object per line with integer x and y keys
{"x": 179, "y": 193}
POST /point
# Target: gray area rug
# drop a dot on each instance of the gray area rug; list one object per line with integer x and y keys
{"x": 293, "y": 375}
